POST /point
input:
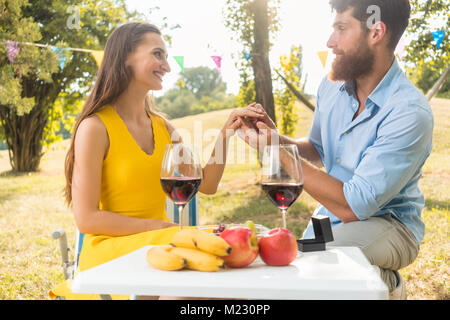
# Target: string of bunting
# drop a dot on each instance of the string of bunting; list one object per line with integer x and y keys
{"x": 13, "y": 49}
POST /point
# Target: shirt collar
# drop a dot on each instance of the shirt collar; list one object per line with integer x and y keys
{"x": 379, "y": 96}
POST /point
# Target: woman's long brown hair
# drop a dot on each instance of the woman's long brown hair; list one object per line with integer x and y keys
{"x": 113, "y": 78}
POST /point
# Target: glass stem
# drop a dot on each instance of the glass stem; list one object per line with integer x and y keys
{"x": 283, "y": 216}
{"x": 180, "y": 215}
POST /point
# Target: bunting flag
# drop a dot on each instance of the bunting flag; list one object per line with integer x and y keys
{"x": 180, "y": 61}
{"x": 247, "y": 56}
{"x": 218, "y": 61}
{"x": 323, "y": 56}
{"x": 13, "y": 49}
{"x": 98, "y": 56}
{"x": 438, "y": 36}
{"x": 61, "y": 55}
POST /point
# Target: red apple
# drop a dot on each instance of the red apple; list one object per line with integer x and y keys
{"x": 244, "y": 246}
{"x": 278, "y": 247}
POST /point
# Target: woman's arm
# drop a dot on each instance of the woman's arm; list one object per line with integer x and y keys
{"x": 213, "y": 171}
{"x": 91, "y": 145}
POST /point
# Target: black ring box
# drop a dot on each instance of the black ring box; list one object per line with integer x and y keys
{"x": 323, "y": 234}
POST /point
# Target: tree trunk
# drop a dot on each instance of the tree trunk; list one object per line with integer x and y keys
{"x": 260, "y": 59}
{"x": 438, "y": 85}
{"x": 24, "y": 136}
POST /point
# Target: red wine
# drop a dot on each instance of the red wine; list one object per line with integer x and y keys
{"x": 283, "y": 195}
{"x": 181, "y": 189}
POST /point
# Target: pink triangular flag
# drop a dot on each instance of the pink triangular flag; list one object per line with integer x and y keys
{"x": 13, "y": 49}
{"x": 218, "y": 61}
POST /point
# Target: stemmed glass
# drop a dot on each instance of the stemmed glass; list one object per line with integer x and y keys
{"x": 181, "y": 176}
{"x": 282, "y": 176}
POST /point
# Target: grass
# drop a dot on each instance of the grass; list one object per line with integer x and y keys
{"x": 32, "y": 206}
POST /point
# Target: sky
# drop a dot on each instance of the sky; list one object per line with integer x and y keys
{"x": 203, "y": 34}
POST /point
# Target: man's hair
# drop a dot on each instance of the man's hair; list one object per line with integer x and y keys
{"x": 394, "y": 13}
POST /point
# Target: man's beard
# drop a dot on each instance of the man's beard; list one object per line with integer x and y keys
{"x": 351, "y": 66}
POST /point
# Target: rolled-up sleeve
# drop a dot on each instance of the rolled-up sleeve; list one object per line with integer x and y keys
{"x": 402, "y": 145}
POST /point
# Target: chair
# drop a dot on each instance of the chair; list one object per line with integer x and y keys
{"x": 190, "y": 217}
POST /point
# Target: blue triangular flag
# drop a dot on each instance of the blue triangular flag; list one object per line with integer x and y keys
{"x": 438, "y": 37}
{"x": 61, "y": 55}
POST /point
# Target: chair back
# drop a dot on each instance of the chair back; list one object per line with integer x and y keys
{"x": 190, "y": 212}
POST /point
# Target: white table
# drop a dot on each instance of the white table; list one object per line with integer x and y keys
{"x": 335, "y": 274}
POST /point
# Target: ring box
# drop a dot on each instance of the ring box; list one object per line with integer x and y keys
{"x": 322, "y": 232}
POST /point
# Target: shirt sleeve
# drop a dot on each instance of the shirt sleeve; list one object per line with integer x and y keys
{"x": 400, "y": 150}
{"x": 314, "y": 135}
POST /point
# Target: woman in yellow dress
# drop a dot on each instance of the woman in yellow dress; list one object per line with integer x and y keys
{"x": 113, "y": 165}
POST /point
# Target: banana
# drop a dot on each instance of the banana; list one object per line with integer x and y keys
{"x": 202, "y": 240}
{"x": 199, "y": 260}
{"x": 250, "y": 224}
{"x": 162, "y": 258}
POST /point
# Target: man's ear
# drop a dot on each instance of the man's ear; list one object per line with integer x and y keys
{"x": 378, "y": 33}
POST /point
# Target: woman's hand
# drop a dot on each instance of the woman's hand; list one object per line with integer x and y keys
{"x": 258, "y": 132}
{"x": 235, "y": 120}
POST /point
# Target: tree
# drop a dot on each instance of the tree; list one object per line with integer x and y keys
{"x": 285, "y": 99}
{"x": 203, "y": 81}
{"x": 252, "y": 22}
{"x": 33, "y": 85}
{"x": 424, "y": 60}
{"x": 198, "y": 90}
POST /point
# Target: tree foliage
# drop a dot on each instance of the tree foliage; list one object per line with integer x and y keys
{"x": 291, "y": 67}
{"x": 36, "y": 93}
{"x": 424, "y": 60}
{"x": 203, "y": 81}
{"x": 198, "y": 90}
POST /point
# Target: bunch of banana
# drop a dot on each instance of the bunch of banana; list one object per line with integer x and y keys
{"x": 199, "y": 260}
{"x": 162, "y": 258}
{"x": 171, "y": 258}
{"x": 202, "y": 240}
{"x": 191, "y": 249}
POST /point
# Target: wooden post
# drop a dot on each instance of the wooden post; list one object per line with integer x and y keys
{"x": 438, "y": 85}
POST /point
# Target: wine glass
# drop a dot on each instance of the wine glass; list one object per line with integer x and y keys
{"x": 282, "y": 176}
{"x": 181, "y": 176}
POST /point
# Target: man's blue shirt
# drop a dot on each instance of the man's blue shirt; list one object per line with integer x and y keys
{"x": 379, "y": 155}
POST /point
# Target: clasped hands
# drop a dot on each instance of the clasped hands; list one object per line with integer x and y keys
{"x": 253, "y": 125}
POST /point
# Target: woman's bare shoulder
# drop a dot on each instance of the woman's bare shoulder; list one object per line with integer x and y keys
{"x": 92, "y": 132}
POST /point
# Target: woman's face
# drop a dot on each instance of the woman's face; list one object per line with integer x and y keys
{"x": 149, "y": 61}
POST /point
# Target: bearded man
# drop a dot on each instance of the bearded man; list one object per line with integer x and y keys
{"x": 372, "y": 132}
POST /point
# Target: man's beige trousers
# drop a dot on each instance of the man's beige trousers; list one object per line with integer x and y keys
{"x": 384, "y": 240}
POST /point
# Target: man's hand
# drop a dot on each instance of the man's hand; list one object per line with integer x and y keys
{"x": 258, "y": 132}
{"x": 235, "y": 119}
{"x": 266, "y": 119}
